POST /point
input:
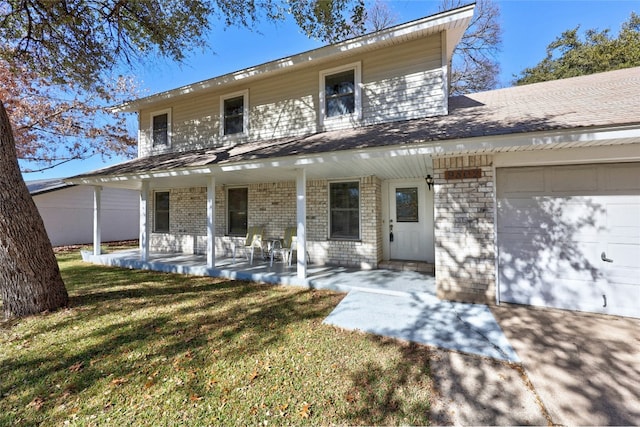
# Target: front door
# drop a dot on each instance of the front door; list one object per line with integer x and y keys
{"x": 410, "y": 221}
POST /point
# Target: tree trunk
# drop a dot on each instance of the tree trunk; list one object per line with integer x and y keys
{"x": 30, "y": 280}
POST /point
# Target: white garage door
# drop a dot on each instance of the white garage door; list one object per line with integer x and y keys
{"x": 569, "y": 237}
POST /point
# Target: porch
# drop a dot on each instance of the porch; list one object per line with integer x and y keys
{"x": 395, "y": 276}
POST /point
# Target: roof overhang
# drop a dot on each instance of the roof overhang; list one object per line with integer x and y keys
{"x": 389, "y": 162}
{"x": 452, "y": 22}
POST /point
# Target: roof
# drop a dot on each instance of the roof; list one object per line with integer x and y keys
{"x": 605, "y": 100}
{"x": 41, "y": 186}
{"x": 454, "y": 22}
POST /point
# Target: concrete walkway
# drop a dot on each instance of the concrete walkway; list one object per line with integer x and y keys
{"x": 398, "y": 304}
{"x": 403, "y": 304}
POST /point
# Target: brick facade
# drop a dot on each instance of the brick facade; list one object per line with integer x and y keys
{"x": 464, "y": 230}
{"x": 464, "y": 225}
{"x": 274, "y": 205}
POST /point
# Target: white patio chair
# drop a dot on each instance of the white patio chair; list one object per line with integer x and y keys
{"x": 252, "y": 242}
{"x": 286, "y": 247}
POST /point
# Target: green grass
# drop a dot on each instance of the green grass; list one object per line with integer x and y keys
{"x": 144, "y": 348}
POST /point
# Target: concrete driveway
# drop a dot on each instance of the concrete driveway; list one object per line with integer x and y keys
{"x": 570, "y": 368}
{"x": 584, "y": 367}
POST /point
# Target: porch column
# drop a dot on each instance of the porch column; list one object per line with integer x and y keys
{"x": 211, "y": 222}
{"x": 144, "y": 237}
{"x": 301, "y": 217}
{"x": 97, "y": 190}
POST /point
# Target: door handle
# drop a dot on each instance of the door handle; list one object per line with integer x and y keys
{"x": 603, "y": 257}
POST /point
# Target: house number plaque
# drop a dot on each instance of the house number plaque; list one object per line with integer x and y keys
{"x": 463, "y": 174}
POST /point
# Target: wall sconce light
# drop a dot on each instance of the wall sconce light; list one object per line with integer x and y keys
{"x": 429, "y": 180}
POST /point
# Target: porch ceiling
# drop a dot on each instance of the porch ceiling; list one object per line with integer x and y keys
{"x": 393, "y": 165}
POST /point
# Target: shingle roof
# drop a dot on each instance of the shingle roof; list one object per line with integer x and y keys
{"x": 46, "y": 185}
{"x": 598, "y": 100}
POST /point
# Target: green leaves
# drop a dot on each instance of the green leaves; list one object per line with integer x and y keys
{"x": 329, "y": 20}
{"x": 571, "y": 55}
{"x": 80, "y": 41}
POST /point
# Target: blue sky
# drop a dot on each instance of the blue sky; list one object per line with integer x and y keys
{"x": 527, "y": 28}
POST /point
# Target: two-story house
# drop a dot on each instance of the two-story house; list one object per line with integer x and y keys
{"x": 521, "y": 194}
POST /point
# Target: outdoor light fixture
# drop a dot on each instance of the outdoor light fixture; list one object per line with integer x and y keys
{"x": 429, "y": 180}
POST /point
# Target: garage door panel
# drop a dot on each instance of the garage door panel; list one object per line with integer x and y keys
{"x": 575, "y": 215}
{"x": 579, "y": 179}
{"x": 549, "y": 292}
{"x": 527, "y": 257}
{"x": 623, "y": 255}
{"x": 621, "y": 299}
{"x": 519, "y": 181}
{"x": 621, "y": 214}
{"x": 622, "y": 178}
{"x": 551, "y": 242}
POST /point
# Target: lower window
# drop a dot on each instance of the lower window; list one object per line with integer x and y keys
{"x": 238, "y": 202}
{"x": 161, "y": 212}
{"x": 344, "y": 216}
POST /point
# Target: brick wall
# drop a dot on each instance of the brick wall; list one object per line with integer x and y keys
{"x": 464, "y": 231}
{"x": 274, "y": 205}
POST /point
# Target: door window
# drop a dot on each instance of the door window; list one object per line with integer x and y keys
{"x": 407, "y": 204}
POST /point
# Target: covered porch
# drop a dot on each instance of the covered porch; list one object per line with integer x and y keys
{"x": 283, "y": 191}
{"x": 393, "y": 278}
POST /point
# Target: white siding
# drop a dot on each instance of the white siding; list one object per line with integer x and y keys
{"x": 406, "y": 83}
{"x": 285, "y": 107}
{"x": 400, "y": 82}
{"x": 68, "y": 214}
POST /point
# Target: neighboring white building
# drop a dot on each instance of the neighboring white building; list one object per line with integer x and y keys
{"x": 67, "y": 212}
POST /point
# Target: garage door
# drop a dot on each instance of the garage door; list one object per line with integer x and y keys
{"x": 569, "y": 237}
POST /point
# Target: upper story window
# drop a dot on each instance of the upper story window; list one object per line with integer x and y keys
{"x": 234, "y": 113}
{"x": 340, "y": 94}
{"x": 161, "y": 128}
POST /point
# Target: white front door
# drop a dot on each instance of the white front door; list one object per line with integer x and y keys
{"x": 410, "y": 221}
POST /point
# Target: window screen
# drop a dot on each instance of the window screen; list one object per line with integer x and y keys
{"x": 345, "y": 210}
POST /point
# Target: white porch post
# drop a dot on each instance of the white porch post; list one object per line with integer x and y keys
{"x": 211, "y": 222}
{"x": 144, "y": 237}
{"x": 97, "y": 190}
{"x": 301, "y": 217}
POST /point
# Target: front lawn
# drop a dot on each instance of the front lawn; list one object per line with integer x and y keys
{"x": 144, "y": 348}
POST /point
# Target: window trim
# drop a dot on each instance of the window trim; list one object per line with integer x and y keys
{"x": 155, "y": 212}
{"x": 152, "y": 115}
{"x": 357, "y": 94}
{"x": 329, "y": 229}
{"x": 228, "y": 227}
{"x": 245, "y": 113}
